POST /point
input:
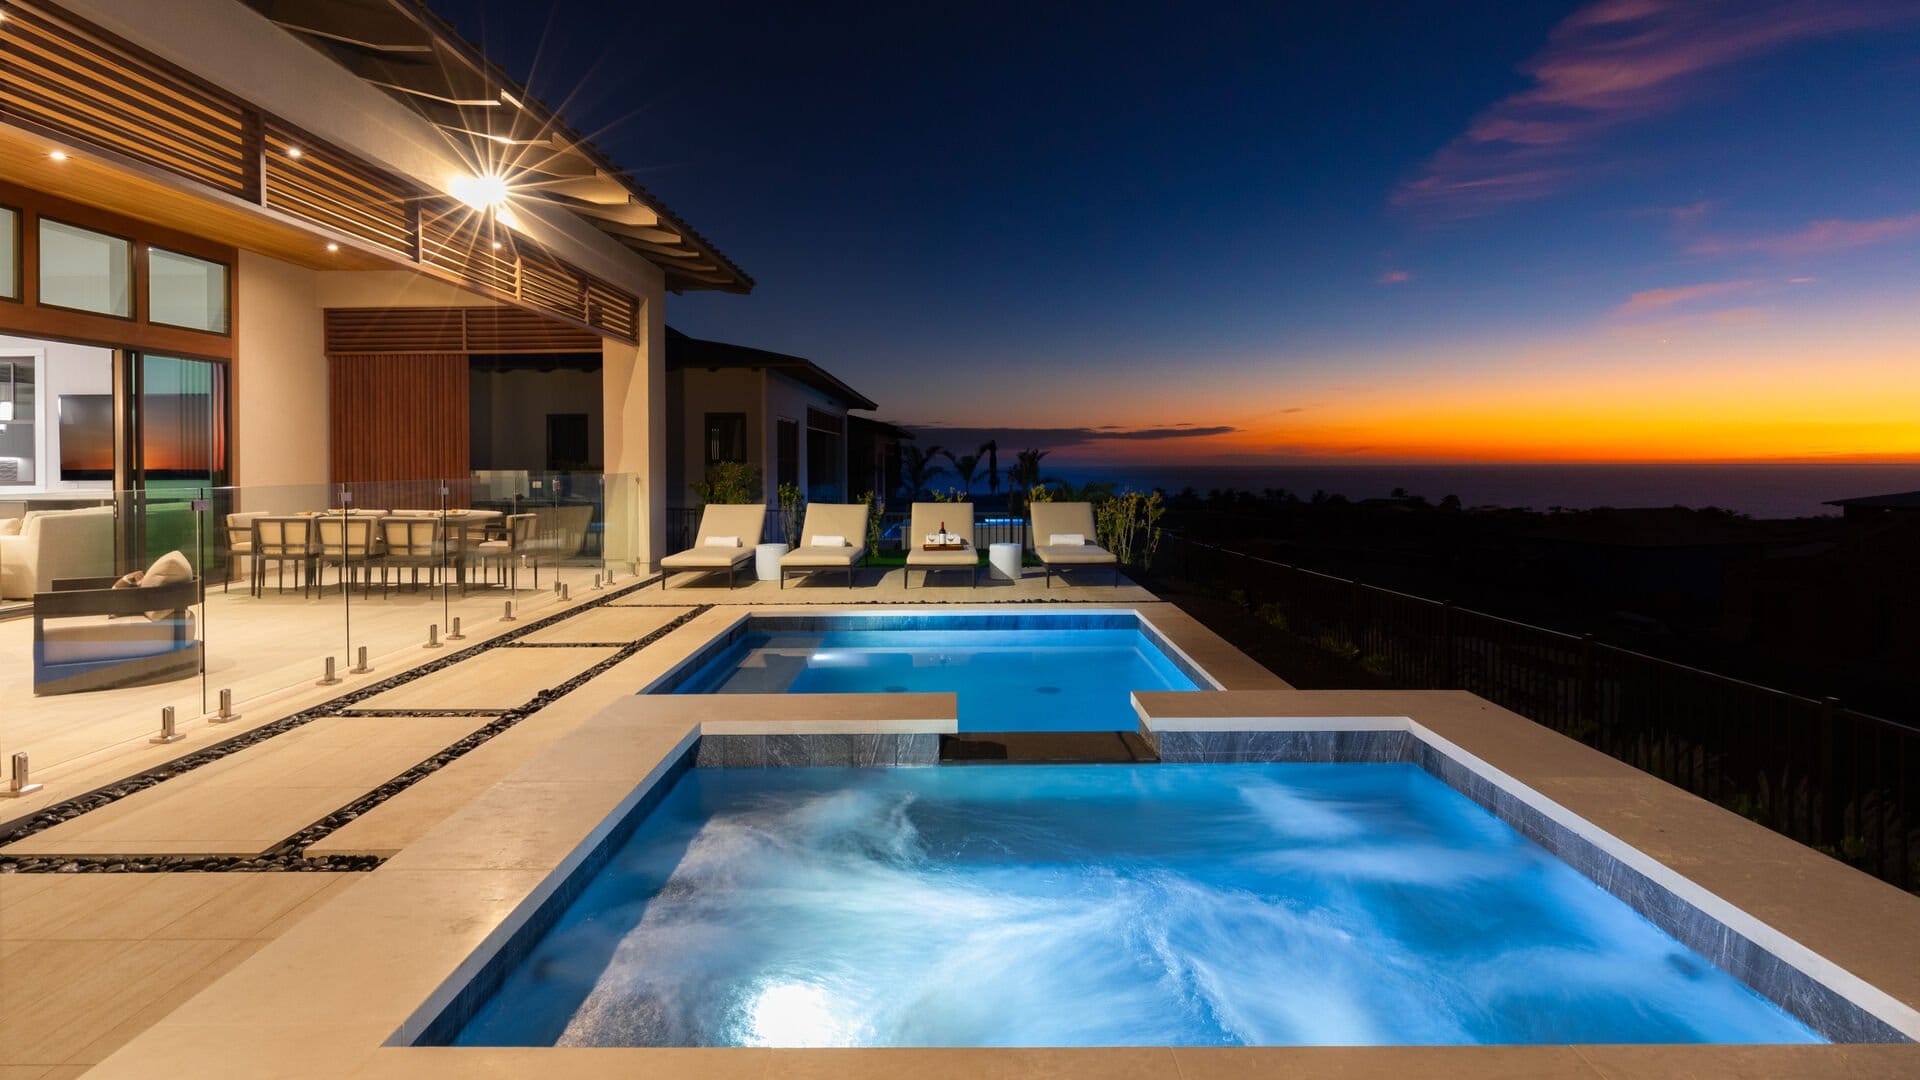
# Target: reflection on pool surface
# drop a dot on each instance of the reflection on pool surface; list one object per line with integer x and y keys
{"x": 1007, "y": 680}
{"x": 1100, "y": 905}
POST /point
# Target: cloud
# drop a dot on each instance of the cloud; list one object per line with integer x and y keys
{"x": 1814, "y": 238}
{"x": 1650, "y": 300}
{"x": 1394, "y": 277}
{"x": 1059, "y": 438}
{"x": 1609, "y": 65}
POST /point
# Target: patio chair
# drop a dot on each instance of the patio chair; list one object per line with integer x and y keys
{"x": 1062, "y": 535}
{"x": 725, "y": 540}
{"x": 348, "y": 542}
{"x": 509, "y": 550}
{"x": 926, "y": 519}
{"x": 832, "y": 537}
{"x": 278, "y": 541}
{"x": 238, "y": 542}
{"x": 413, "y": 542}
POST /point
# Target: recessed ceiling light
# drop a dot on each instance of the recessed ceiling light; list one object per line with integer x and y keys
{"x": 333, "y": 247}
{"x": 58, "y": 155}
{"x": 497, "y": 245}
{"x": 293, "y": 151}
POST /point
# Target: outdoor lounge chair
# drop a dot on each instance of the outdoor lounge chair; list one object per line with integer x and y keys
{"x": 926, "y": 519}
{"x": 843, "y": 525}
{"x": 719, "y": 523}
{"x": 1062, "y": 520}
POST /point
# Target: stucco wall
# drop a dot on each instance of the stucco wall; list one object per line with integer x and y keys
{"x": 280, "y": 376}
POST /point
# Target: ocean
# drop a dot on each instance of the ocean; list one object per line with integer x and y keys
{"x": 1761, "y": 491}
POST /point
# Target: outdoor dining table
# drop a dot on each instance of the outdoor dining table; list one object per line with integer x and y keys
{"x": 460, "y": 522}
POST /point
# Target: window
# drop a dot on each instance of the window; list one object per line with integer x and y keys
{"x": 824, "y": 467}
{"x": 85, "y": 270}
{"x": 726, "y": 437}
{"x": 185, "y": 291}
{"x": 787, "y": 453}
{"x": 9, "y": 254}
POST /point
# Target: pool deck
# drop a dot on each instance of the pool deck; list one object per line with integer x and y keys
{"x": 311, "y": 974}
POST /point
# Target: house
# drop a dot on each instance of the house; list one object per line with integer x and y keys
{"x": 784, "y": 415}
{"x": 268, "y": 249}
{"x": 1878, "y": 507}
{"x": 873, "y": 456}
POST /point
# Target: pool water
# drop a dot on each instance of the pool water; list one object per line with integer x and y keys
{"x": 1176, "y": 905}
{"x": 1006, "y": 680}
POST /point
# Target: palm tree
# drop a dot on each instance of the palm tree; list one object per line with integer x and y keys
{"x": 991, "y": 448}
{"x": 918, "y": 468}
{"x": 964, "y": 468}
{"x": 1093, "y": 491}
{"x": 1026, "y": 469}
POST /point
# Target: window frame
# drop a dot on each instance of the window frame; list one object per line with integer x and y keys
{"x": 18, "y": 254}
{"x": 226, "y": 291}
{"x": 134, "y": 283}
{"x": 707, "y": 440}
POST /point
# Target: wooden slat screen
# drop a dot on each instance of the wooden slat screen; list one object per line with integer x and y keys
{"x": 62, "y": 75}
{"x": 612, "y": 310}
{"x": 451, "y": 330}
{"x": 451, "y": 238}
{"x": 332, "y": 190}
{"x": 397, "y": 417}
{"x": 395, "y": 330}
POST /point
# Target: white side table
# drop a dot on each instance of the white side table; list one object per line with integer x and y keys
{"x": 766, "y": 561}
{"x": 1003, "y": 562}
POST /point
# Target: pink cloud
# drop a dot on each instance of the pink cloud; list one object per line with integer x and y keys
{"x": 1814, "y": 238}
{"x": 1608, "y": 65}
{"x": 1394, "y": 277}
{"x": 1650, "y": 300}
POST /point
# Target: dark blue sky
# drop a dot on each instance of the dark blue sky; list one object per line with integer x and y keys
{"x": 1282, "y": 219}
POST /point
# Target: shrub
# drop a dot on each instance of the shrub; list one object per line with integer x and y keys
{"x": 1128, "y": 524}
{"x": 792, "y": 502}
{"x": 730, "y": 483}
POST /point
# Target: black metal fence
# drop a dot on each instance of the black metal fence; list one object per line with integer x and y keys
{"x": 1835, "y": 779}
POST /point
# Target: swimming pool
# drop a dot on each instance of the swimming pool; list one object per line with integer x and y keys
{"x": 1010, "y": 673}
{"x": 1262, "y": 904}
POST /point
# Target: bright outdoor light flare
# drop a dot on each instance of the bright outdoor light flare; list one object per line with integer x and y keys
{"x": 488, "y": 191}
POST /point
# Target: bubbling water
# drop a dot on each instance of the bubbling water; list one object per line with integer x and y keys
{"x": 1112, "y": 905}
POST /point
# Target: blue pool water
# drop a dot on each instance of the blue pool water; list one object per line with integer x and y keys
{"x": 1006, "y": 680}
{"x": 1100, "y": 905}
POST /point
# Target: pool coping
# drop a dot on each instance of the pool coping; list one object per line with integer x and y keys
{"x": 335, "y": 994}
{"x": 1124, "y": 617}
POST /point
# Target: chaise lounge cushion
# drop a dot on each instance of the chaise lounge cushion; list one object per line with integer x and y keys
{"x": 1060, "y": 520}
{"x": 1074, "y": 554}
{"x": 927, "y": 518}
{"x": 823, "y": 537}
{"x": 718, "y": 520}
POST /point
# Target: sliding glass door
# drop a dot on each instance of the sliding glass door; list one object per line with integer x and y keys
{"x": 177, "y": 435}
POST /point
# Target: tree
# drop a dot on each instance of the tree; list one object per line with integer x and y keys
{"x": 965, "y": 466}
{"x": 918, "y": 468}
{"x": 991, "y": 448}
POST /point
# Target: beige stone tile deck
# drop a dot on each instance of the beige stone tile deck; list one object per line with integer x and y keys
{"x": 509, "y": 678}
{"x": 403, "y": 818}
{"x": 245, "y": 803}
{"x": 605, "y": 624}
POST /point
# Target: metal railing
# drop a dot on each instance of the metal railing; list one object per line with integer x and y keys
{"x": 1833, "y": 778}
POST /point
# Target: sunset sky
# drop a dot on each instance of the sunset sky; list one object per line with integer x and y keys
{"x": 1632, "y": 230}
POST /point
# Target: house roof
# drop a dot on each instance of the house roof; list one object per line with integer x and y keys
{"x": 417, "y": 57}
{"x": 1904, "y": 500}
{"x": 688, "y": 352}
{"x": 884, "y": 427}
